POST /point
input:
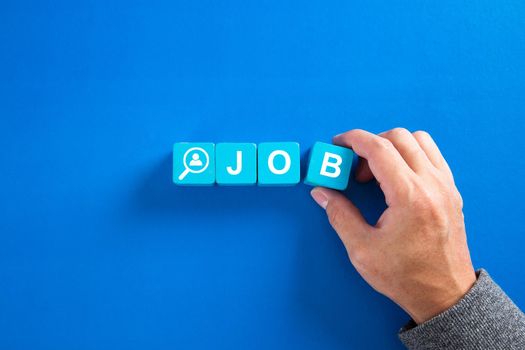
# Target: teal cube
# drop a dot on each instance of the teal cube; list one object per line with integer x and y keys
{"x": 329, "y": 166}
{"x": 279, "y": 163}
{"x": 193, "y": 163}
{"x": 236, "y": 163}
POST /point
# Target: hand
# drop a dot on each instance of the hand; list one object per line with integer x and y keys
{"x": 417, "y": 253}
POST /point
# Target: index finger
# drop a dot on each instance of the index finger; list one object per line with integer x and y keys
{"x": 387, "y": 165}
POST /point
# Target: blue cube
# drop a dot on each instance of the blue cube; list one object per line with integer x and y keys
{"x": 236, "y": 163}
{"x": 193, "y": 163}
{"x": 279, "y": 163}
{"x": 329, "y": 166}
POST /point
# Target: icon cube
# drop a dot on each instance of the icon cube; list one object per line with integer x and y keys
{"x": 279, "y": 163}
{"x": 193, "y": 163}
{"x": 329, "y": 166}
{"x": 236, "y": 163}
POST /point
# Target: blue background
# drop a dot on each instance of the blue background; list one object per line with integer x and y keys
{"x": 99, "y": 250}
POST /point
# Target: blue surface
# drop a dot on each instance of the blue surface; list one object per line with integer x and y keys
{"x": 278, "y": 163}
{"x": 329, "y": 166}
{"x": 236, "y": 163}
{"x": 100, "y": 250}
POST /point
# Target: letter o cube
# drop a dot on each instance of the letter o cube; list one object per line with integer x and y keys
{"x": 279, "y": 163}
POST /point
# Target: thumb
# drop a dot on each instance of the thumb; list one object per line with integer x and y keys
{"x": 344, "y": 217}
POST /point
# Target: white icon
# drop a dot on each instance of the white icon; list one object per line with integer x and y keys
{"x": 238, "y": 170}
{"x": 287, "y": 162}
{"x": 334, "y": 165}
{"x": 195, "y": 162}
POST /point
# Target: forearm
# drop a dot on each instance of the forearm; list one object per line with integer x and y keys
{"x": 485, "y": 318}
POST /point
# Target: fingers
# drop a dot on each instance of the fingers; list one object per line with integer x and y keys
{"x": 384, "y": 161}
{"x": 409, "y": 148}
{"x": 417, "y": 149}
{"x": 363, "y": 172}
{"x": 431, "y": 150}
{"x": 344, "y": 217}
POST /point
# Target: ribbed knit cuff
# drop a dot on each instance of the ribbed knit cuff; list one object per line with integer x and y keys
{"x": 485, "y": 318}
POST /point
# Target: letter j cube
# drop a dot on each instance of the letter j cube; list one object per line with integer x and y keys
{"x": 236, "y": 163}
{"x": 193, "y": 163}
{"x": 329, "y": 166}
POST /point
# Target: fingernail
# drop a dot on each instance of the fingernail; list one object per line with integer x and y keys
{"x": 319, "y": 197}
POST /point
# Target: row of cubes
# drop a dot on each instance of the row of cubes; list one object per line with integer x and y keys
{"x": 266, "y": 164}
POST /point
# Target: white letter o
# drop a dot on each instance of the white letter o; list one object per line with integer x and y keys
{"x": 287, "y": 162}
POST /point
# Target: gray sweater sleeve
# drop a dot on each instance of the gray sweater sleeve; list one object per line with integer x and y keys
{"x": 485, "y": 318}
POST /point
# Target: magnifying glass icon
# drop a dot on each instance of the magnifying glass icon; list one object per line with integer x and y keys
{"x": 194, "y": 151}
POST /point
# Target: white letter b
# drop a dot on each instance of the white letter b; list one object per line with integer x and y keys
{"x": 334, "y": 165}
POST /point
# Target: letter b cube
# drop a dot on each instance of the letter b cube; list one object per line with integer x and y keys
{"x": 329, "y": 166}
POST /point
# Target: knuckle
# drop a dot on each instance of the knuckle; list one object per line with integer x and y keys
{"x": 449, "y": 191}
{"x": 432, "y": 208}
{"x": 358, "y": 256}
{"x": 421, "y": 134}
{"x": 426, "y": 199}
{"x": 406, "y": 189}
{"x": 381, "y": 144}
{"x": 456, "y": 196}
{"x": 399, "y": 132}
{"x": 437, "y": 215}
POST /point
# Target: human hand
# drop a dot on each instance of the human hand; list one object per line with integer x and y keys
{"x": 417, "y": 253}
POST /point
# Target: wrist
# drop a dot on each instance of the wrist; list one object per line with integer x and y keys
{"x": 435, "y": 300}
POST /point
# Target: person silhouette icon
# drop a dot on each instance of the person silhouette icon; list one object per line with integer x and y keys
{"x": 195, "y": 160}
